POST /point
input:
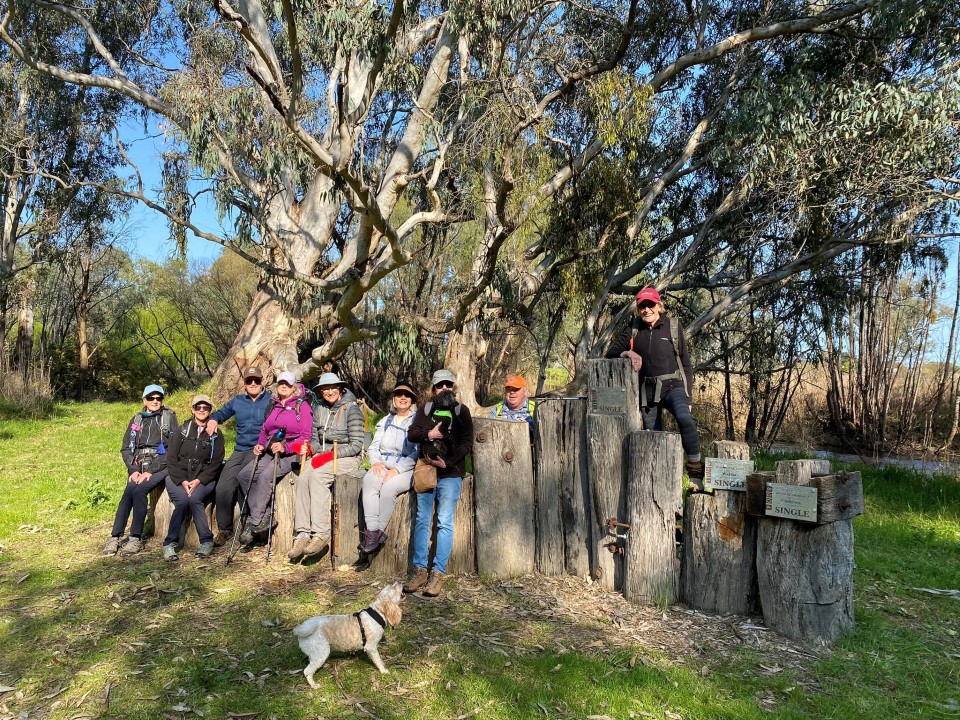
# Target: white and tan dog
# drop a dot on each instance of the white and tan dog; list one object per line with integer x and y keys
{"x": 346, "y": 633}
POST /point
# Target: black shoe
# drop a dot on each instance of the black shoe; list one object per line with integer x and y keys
{"x": 246, "y": 537}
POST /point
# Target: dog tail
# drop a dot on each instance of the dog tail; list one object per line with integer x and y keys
{"x": 307, "y": 627}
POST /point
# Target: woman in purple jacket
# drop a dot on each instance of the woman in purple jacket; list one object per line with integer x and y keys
{"x": 291, "y": 413}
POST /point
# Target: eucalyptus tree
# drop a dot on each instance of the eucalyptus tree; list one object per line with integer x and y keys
{"x": 312, "y": 122}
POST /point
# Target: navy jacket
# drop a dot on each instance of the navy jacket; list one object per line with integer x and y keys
{"x": 250, "y": 415}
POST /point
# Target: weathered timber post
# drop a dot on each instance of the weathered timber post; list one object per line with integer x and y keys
{"x": 504, "y": 497}
{"x": 613, "y": 412}
{"x": 718, "y": 568}
{"x": 654, "y": 472}
{"x": 463, "y": 559}
{"x": 163, "y": 514}
{"x": 347, "y": 516}
{"x": 563, "y": 514}
{"x": 805, "y": 548}
{"x": 393, "y": 559}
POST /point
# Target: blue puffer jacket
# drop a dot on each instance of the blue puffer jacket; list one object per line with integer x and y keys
{"x": 250, "y": 415}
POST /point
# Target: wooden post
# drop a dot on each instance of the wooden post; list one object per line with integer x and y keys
{"x": 463, "y": 559}
{"x": 805, "y": 569}
{"x": 563, "y": 512}
{"x": 393, "y": 559}
{"x": 347, "y": 517}
{"x": 718, "y": 568}
{"x": 503, "y": 496}
{"x": 613, "y": 412}
{"x": 654, "y": 473}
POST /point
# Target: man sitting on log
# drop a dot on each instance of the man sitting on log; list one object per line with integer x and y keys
{"x": 655, "y": 346}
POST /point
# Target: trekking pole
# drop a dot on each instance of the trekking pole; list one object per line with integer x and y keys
{"x": 243, "y": 510}
{"x": 273, "y": 499}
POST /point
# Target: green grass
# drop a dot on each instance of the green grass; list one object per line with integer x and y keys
{"x": 85, "y": 636}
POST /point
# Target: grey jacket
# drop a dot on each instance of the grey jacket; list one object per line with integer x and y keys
{"x": 342, "y": 423}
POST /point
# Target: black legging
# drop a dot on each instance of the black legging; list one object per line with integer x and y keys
{"x": 135, "y": 498}
{"x": 194, "y": 503}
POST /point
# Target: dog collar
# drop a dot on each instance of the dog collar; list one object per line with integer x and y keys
{"x": 375, "y": 616}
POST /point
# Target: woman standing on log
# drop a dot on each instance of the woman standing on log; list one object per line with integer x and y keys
{"x": 656, "y": 347}
{"x": 442, "y": 423}
{"x": 337, "y": 440}
{"x": 194, "y": 468}
{"x": 392, "y": 457}
{"x": 290, "y": 418}
{"x": 144, "y": 452}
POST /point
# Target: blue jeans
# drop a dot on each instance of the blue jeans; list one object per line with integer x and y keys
{"x": 677, "y": 402}
{"x": 446, "y": 495}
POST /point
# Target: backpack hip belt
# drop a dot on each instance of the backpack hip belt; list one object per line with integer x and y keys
{"x": 659, "y": 380}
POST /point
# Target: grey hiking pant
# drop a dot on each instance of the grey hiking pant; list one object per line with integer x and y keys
{"x": 258, "y": 495}
{"x": 312, "y": 508}
{"x": 380, "y": 497}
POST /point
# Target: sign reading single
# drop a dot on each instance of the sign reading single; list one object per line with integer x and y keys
{"x": 610, "y": 400}
{"x": 796, "y": 502}
{"x": 724, "y": 474}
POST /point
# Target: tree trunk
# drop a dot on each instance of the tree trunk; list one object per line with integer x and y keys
{"x": 268, "y": 339}
{"x": 654, "y": 475}
{"x": 504, "y": 495}
{"x": 23, "y": 352}
{"x": 464, "y": 350}
{"x": 718, "y": 569}
{"x": 563, "y": 488}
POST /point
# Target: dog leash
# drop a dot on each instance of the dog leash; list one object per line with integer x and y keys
{"x": 375, "y": 616}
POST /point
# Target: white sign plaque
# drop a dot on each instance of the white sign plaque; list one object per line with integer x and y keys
{"x": 796, "y": 502}
{"x": 610, "y": 400}
{"x": 724, "y": 474}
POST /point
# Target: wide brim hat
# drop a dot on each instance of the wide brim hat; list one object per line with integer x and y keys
{"x": 328, "y": 379}
{"x": 404, "y": 386}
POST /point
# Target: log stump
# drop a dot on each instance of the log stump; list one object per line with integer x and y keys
{"x": 463, "y": 558}
{"x": 718, "y": 566}
{"x": 613, "y": 412}
{"x": 393, "y": 558}
{"x": 562, "y": 487}
{"x": 347, "y": 520}
{"x": 654, "y": 475}
{"x": 504, "y": 497}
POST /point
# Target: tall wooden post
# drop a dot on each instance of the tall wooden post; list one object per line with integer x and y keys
{"x": 503, "y": 497}
{"x": 718, "y": 568}
{"x": 654, "y": 472}
{"x": 563, "y": 514}
{"x": 613, "y": 412}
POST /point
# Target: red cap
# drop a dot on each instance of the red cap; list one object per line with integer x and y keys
{"x": 648, "y": 293}
{"x": 515, "y": 381}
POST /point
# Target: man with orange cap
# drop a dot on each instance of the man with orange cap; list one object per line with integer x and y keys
{"x": 516, "y": 405}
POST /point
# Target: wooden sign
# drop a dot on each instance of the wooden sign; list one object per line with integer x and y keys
{"x": 608, "y": 400}
{"x": 796, "y": 502}
{"x": 723, "y": 474}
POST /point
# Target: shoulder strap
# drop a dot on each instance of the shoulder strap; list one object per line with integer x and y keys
{"x": 428, "y": 407}
{"x": 531, "y": 407}
{"x": 166, "y": 419}
{"x": 633, "y": 336}
{"x": 675, "y": 341}
{"x": 499, "y": 409}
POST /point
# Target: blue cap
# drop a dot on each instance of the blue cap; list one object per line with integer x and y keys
{"x": 150, "y": 389}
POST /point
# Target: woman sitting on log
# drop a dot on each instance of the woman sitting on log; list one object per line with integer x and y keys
{"x": 655, "y": 345}
{"x": 444, "y": 429}
{"x": 287, "y": 426}
{"x": 144, "y": 451}
{"x": 392, "y": 457}
{"x": 337, "y": 440}
{"x": 194, "y": 467}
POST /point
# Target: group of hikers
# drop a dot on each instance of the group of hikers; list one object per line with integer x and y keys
{"x": 319, "y": 433}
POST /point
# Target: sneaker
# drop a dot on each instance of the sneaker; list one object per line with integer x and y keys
{"x": 112, "y": 546}
{"x": 372, "y": 540}
{"x": 223, "y": 537}
{"x": 170, "y": 552}
{"x": 316, "y": 546}
{"x": 246, "y": 537}
{"x": 416, "y": 579}
{"x": 132, "y": 546}
{"x": 434, "y": 585}
{"x": 206, "y": 549}
{"x": 300, "y": 543}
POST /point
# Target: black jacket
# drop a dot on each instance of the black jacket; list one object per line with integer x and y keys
{"x": 198, "y": 456}
{"x": 146, "y": 432}
{"x": 461, "y": 436}
{"x": 654, "y": 345}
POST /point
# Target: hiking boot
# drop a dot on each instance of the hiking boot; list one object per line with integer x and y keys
{"x": 246, "y": 537}
{"x": 223, "y": 537}
{"x": 316, "y": 546}
{"x": 112, "y": 546}
{"x": 416, "y": 579}
{"x": 206, "y": 549}
{"x": 300, "y": 543}
{"x": 695, "y": 470}
{"x": 132, "y": 546}
{"x": 372, "y": 540}
{"x": 434, "y": 585}
{"x": 264, "y": 525}
{"x": 170, "y": 552}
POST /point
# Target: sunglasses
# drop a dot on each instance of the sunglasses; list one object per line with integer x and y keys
{"x": 403, "y": 393}
{"x": 284, "y": 383}
{"x": 646, "y": 305}
{"x": 154, "y": 398}
{"x": 253, "y": 381}
{"x": 445, "y": 385}
{"x": 202, "y": 406}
